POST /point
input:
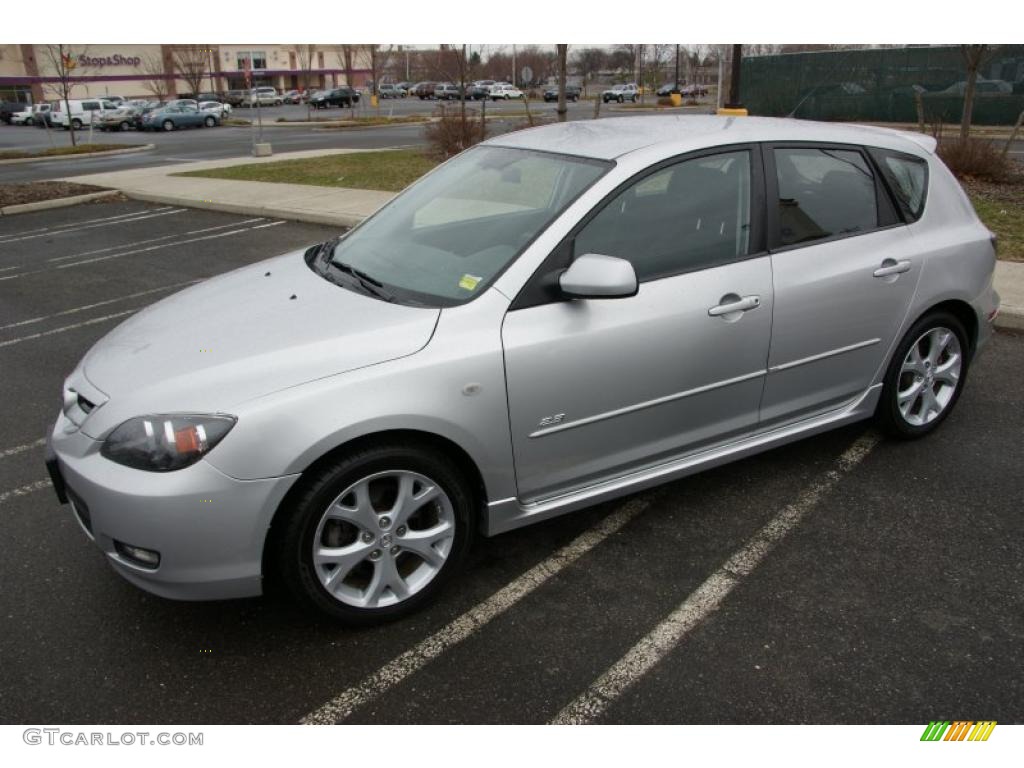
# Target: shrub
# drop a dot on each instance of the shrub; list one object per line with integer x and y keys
{"x": 454, "y": 131}
{"x": 975, "y": 158}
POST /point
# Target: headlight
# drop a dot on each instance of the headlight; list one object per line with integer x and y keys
{"x": 164, "y": 443}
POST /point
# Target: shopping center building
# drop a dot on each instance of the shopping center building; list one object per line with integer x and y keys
{"x": 33, "y": 73}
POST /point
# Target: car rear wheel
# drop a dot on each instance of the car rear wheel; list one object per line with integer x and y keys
{"x": 124, "y": 125}
{"x": 76, "y": 124}
{"x": 376, "y": 534}
{"x": 925, "y": 377}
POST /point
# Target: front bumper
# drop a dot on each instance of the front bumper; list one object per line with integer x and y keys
{"x": 208, "y": 528}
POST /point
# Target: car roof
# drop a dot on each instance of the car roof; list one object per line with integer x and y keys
{"x": 612, "y": 137}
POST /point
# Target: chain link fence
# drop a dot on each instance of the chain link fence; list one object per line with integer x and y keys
{"x": 884, "y": 85}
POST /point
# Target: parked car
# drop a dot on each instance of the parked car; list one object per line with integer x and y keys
{"x": 264, "y": 96}
{"x": 31, "y": 115}
{"x": 183, "y": 103}
{"x": 669, "y": 88}
{"x": 407, "y": 87}
{"x": 217, "y": 108}
{"x": 8, "y": 109}
{"x": 209, "y": 96}
{"x": 120, "y": 119}
{"x": 505, "y": 91}
{"x": 234, "y": 97}
{"x": 447, "y": 92}
{"x": 117, "y": 101}
{"x": 621, "y": 93}
{"x": 423, "y": 90}
{"x": 173, "y": 117}
{"x": 292, "y": 97}
{"x": 572, "y": 93}
{"x": 82, "y": 112}
{"x": 981, "y": 87}
{"x": 391, "y": 91}
{"x": 478, "y": 92}
{"x": 694, "y": 90}
{"x": 144, "y": 109}
{"x": 435, "y": 377}
{"x": 335, "y": 97}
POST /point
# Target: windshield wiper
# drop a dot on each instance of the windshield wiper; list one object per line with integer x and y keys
{"x": 369, "y": 284}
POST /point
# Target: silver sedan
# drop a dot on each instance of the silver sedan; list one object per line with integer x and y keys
{"x": 554, "y": 318}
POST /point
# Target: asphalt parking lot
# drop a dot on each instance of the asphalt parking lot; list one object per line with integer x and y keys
{"x": 842, "y": 579}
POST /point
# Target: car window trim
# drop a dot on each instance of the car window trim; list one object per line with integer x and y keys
{"x": 538, "y": 289}
{"x": 885, "y": 209}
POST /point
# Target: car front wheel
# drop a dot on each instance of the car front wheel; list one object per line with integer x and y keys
{"x": 168, "y": 125}
{"x": 376, "y": 534}
{"x": 925, "y": 377}
{"x": 210, "y": 122}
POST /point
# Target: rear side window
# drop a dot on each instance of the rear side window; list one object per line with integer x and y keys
{"x": 89, "y": 105}
{"x": 907, "y": 177}
{"x": 824, "y": 193}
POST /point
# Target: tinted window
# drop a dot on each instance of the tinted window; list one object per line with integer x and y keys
{"x": 908, "y": 179}
{"x": 687, "y": 216}
{"x": 87, "y": 105}
{"x": 823, "y": 193}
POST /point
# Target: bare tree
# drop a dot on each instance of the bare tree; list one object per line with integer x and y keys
{"x": 346, "y": 57}
{"x": 63, "y": 65}
{"x": 379, "y": 60}
{"x": 588, "y": 62}
{"x": 306, "y": 55}
{"x": 563, "y": 65}
{"x": 156, "y": 77}
{"x": 974, "y": 57}
{"x": 191, "y": 63}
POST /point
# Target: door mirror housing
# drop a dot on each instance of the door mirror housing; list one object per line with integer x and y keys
{"x": 593, "y": 276}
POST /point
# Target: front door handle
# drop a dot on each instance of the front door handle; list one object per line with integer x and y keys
{"x": 731, "y": 305}
{"x": 892, "y": 267}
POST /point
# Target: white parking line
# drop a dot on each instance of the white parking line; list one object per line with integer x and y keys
{"x": 22, "y": 448}
{"x": 657, "y": 644}
{"x": 84, "y": 221}
{"x": 24, "y": 490}
{"x": 69, "y": 230}
{"x": 75, "y": 310}
{"x": 140, "y": 250}
{"x": 401, "y": 667}
{"x": 154, "y": 240}
{"x": 84, "y": 323}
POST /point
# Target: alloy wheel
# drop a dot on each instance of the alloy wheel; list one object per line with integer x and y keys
{"x": 383, "y": 539}
{"x": 929, "y": 376}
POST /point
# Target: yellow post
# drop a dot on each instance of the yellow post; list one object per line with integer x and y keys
{"x": 677, "y": 99}
{"x": 733, "y": 111}
{"x": 373, "y": 100}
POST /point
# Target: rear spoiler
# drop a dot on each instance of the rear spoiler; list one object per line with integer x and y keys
{"x": 924, "y": 141}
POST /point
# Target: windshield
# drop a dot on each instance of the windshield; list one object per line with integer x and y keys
{"x": 446, "y": 238}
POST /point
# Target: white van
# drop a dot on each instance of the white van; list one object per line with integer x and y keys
{"x": 83, "y": 112}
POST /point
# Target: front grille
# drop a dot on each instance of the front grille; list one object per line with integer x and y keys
{"x": 81, "y": 510}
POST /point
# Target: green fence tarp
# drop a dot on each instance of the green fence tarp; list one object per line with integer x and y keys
{"x": 881, "y": 84}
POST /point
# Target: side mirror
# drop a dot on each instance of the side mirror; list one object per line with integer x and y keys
{"x": 593, "y": 276}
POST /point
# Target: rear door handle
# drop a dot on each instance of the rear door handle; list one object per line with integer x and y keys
{"x": 892, "y": 267}
{"x": 732, "y": 304}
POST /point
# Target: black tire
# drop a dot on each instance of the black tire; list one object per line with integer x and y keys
{"x": 210, "y": 122}
{"x": 297, "y": 521}
{"x": 76, "y": 124}
{"x": 124, "y": 125}
{"x": 888, "y": 415}
{"x": 167, "y": 125}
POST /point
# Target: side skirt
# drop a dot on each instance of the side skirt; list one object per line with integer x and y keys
{"x": 509, "y": 514}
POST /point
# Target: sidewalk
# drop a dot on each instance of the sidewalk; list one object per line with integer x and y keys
{"x": 347, "y": 207}
{"x": 296, "y": 202}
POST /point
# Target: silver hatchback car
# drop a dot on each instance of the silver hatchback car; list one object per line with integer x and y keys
{"x": 554, "y": 318}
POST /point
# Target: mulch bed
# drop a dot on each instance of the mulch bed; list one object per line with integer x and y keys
{"x": 34, "y": 191}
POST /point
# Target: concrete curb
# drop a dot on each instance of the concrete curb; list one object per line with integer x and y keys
{"x": 57, "y": 202}
{"x": 339, "y": 219}
{"x": 1010, "y": 320}
{"x": 82, "y": 156}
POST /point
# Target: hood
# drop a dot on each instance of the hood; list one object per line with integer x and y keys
{"x": 244, "y": 334}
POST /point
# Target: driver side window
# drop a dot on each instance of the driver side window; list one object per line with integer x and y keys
{"x": 688, "y": 216}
